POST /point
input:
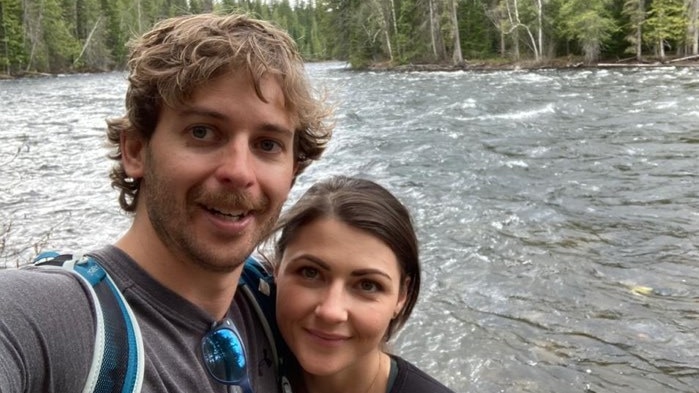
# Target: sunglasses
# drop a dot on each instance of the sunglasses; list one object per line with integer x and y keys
{"x": 224, "y": 355}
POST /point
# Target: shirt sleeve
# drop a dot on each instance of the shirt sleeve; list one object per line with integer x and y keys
{"x": 46, "y": 331}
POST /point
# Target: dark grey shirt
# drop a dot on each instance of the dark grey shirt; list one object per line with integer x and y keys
{"x": 47, "y": 332}
{"x": 410, "y": 379}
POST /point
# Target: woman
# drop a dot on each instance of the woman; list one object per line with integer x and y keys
{"x": 348, "y": 275}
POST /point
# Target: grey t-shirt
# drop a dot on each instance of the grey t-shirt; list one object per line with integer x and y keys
{"x": 47, "y": 332}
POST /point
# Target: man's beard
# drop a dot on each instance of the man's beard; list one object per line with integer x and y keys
{"x": 170, "y": 221}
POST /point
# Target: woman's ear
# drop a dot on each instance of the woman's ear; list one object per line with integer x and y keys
{"x": 402, "y": 298}
{"x": 133, "y": 151}
{"x": 275, "y": 272}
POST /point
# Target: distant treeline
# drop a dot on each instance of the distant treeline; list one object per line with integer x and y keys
{"x": 57, "y": 36}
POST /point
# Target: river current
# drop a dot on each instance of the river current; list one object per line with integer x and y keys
{"x": 557, "y": 210}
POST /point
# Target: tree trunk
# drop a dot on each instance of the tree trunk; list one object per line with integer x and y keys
{"x": 693, "y": 23}
{"x": 87, "y": 41}
{"x": 395, "y": 25}
{"x": 387, "y": 12}
{"x": 433, "y": 30}
{"x": 539, "y": 19}
{"x": 639, "y": 43}
{"x": 458, "y": 57}
{"x": 661, "y": 50}
{"x": 33, "y": 27}
{"x": 6, "y": 40}
{"x": 503, "y": 47}
{"x": 518, "y": 24}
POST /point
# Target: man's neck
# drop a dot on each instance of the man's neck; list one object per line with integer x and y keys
{"x": 209, "y": 290}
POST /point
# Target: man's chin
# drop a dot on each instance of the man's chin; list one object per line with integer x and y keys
{"x": 222, "y": 258}
{"x": 223, "y": 267}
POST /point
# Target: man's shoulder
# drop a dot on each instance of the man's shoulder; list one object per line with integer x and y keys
{"x": 33, "y": 290}
{"x": 28, "y": 278}
{"x": 411, "y": 379}
{"x": 47, "y": 325}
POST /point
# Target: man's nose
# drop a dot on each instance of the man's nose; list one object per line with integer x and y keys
{"x": 237, "y": 164}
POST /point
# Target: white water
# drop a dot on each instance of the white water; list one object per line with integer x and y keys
{"x": 558, "y": 211}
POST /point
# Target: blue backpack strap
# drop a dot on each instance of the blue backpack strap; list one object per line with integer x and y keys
{"x": 258, "y": 286}
{"x": 117, "y": 361}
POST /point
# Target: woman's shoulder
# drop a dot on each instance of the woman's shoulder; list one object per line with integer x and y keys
{"x": 411, "y": 379}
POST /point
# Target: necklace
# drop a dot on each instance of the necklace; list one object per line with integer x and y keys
{"x": 376, "y": 377}
{"x": 307, "y": 388}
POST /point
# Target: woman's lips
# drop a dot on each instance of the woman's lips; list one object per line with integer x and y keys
{"x": 327, "y": 338}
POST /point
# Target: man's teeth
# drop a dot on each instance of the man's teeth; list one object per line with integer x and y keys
{"x": 234, "y": 216}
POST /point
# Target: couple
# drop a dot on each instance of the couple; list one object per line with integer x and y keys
{"x": 220, "y": 120}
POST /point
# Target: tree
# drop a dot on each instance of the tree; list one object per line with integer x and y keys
{"x": 478, "y": 36}
{"x": 12, "y": 52}
{"x": 666, "y": 24}
{"x": 512, "y": 16}
{"x": 62, "y": 47}
{"x": 457, "y": 57}
{"x": 693, "y": 26}
{"x": 588, "y": 22}
{"x": 635, "y": 11}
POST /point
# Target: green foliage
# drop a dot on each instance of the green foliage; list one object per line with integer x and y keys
{"x": 13, "y": 56}
{"x": 478, "y": 38}
{"x": 61, "y": 45}
{"x": 91, "y": 35}
{"x": 412, "y": 32}
{"x": 634, "y": 13}
{"x": 336, "y": 22}
{"x": 666, "y": 23}
{"x": 589, "y": 23}
{"x": 114, "y": 34}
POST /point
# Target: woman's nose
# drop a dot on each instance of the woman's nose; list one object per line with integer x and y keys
{"x": 333, "y": 306}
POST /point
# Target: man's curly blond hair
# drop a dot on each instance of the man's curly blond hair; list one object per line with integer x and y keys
{"x": 180, "y": 54}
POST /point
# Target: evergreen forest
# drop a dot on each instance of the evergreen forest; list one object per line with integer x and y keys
{"x": 62, "y": 36}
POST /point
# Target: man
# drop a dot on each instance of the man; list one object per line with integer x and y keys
{"x": 220, "y": 119}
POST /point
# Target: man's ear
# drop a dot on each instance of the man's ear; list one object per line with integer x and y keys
{"x": 133, "y": 151}
{"x": 296, "y": 172}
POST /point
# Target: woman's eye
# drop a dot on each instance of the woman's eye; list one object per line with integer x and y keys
{"x": 309, "y": 272}
{"x": 369, "y": 286}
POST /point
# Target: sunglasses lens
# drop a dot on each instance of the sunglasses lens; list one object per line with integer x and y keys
{"x": 224, "y": 356}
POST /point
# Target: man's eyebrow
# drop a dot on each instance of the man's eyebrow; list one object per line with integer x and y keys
{"x": 198, "y": 111}
{"x": 272, "y": 127}
{"x": 204, "y": 112}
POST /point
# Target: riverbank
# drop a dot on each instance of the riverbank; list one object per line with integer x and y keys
{"x": 559, "y": 63}
{"x": 25, "y": 75}
{"x": 482, "y": 65}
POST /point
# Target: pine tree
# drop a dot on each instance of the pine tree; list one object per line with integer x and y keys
{"x": 666, "y": 24}
{"x": 13, "y": 56}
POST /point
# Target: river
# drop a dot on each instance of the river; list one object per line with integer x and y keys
{"x": 557, "y": 210}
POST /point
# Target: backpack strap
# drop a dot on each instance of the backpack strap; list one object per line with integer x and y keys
{"x": 117, "y": 361}
{"x": 257, "y": 284}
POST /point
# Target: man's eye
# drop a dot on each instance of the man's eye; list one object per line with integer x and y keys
{"x": 269, "y": 145}
{"x": 200, "y": 132}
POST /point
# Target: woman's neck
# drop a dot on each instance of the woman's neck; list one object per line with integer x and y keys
{"x": 370, "y": 377}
